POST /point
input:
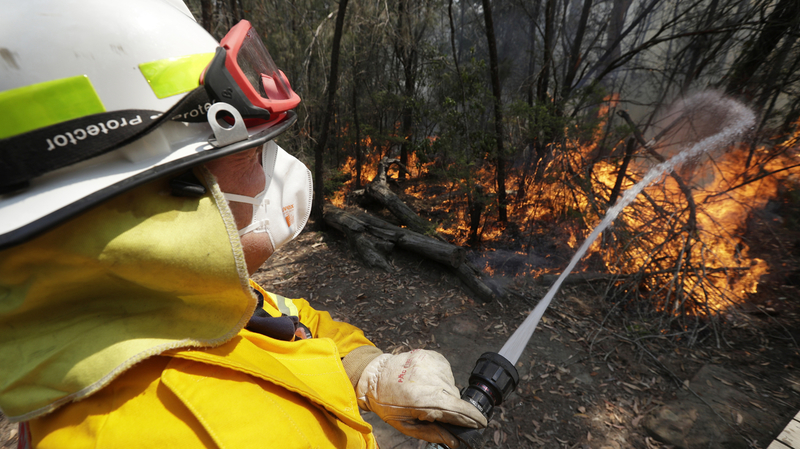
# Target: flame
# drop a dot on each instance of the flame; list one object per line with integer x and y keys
{"x": 711, "y": 263}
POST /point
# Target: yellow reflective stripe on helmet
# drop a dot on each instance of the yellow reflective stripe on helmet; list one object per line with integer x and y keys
{"x": 32, "y": 107}
{"x": 173, "y": 76}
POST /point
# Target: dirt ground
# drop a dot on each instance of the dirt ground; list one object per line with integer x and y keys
{"x": 584, "y": 383}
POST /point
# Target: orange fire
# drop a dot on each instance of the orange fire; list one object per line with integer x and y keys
{"x": 709, "y": 264}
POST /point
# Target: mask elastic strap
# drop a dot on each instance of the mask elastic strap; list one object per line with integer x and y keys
{"x": 253, "y": 226}
{"x": 244, "y": 199}
{"x": 250, "y": 200}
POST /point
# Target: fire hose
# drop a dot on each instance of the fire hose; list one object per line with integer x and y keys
{"x": 494, "y": 376}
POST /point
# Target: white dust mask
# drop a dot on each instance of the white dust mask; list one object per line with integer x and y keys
{"x": 283, "y": 207}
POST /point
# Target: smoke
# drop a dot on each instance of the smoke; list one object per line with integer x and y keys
{"x": 690, "y": 120}
{"x": 502, "y": 266}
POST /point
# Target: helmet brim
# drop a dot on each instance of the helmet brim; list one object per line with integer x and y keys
{"x": 65, "y": 193}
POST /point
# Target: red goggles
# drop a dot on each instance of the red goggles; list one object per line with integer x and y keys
{"x": 243, "y": 74}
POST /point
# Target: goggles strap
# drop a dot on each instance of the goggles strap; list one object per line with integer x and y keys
{"x": 28, "y": 155}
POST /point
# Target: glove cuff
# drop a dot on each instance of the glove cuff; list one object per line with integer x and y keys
{"x": 358, "y": 359}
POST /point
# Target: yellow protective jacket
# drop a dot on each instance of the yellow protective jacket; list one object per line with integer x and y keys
{"x": 124, "y": 327}
{"x": 253, "y": 391}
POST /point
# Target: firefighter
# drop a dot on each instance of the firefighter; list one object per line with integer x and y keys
{"x": 140, "y": 186}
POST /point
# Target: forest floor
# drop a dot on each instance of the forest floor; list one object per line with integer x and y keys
{"x": 586, "y": 380}
{"x": 584, "y": 383}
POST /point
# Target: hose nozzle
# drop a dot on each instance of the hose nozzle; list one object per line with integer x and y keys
{"x": 492, "y": 379}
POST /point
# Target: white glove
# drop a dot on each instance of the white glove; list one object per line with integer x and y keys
{"x": 411, "y": 390}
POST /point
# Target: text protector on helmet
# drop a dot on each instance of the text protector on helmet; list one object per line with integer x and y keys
{"x": 85, "y": 115}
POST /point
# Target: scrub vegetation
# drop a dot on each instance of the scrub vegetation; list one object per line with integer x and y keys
{"x": 520, "y": 123}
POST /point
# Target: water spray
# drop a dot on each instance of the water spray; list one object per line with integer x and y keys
{"x": 494, "y": 375}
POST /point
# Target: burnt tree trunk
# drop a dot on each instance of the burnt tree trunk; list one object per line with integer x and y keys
{"x": 410, "y": 30}
{"x": 546, "y": 135}
{"x": 236, "y": 11}
{"x": 575, "y": 52}
{"x": 360, "y": 242}
{"x": 502, "y": 201}
{"x": 420, "y": 237}
{"x": 359, "y": 154}
{"x": 619, "y": 12}
{"x": 476, "y": 205}
{"x": 319, "y": 151}
{"x": 442, "y": 252}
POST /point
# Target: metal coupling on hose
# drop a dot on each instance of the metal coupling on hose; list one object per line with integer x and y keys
{"x": 492, "y": 379}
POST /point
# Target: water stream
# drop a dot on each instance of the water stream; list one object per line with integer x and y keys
{"x": 744, "y": 120}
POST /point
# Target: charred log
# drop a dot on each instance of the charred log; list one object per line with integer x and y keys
{"x": 420, "y": 237}
{"x": 354, "y": 230}
{"x": 378, "y": 189}
{"x": 470, "y": 276}
{"x": 354, "y": 226}
{"x": 365, "y": 234}
{"x": 442, "y": 252}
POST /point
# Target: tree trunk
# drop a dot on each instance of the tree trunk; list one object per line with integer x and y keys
{"x": 453, "y": 38}
{"x": 359, "y": 156}
{"x": 542, "y": 84}
{"x": 236, "y": 11}
{"x": 476, "y": 206}
{"x": 319, "y": 151}
{"x": 618, "y": 14}
{"x": 406, "y": 48}
{"x": 502, "y": 201}
{"x": 575, "y": 52}
{"x": 606, "y": 63}
{"x": 698, "y": 47}
{"x": 207, "y": 12}
{"x": 531, "y": 83}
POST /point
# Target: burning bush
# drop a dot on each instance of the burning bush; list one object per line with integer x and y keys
{"x": 676, "y": 253}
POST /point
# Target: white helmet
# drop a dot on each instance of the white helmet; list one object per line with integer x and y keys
{"x": 99, "y": 96}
